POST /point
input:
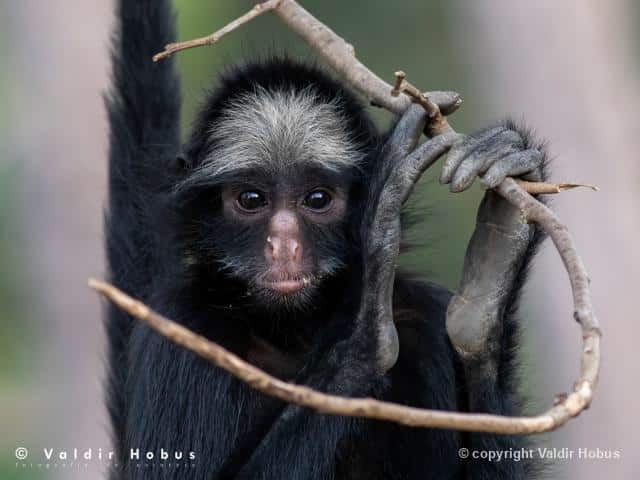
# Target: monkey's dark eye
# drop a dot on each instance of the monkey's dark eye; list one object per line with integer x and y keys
{"x": 318, "y": 200}
{"x": 251, "y": 200}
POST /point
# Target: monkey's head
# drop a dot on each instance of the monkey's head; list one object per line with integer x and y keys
{"x": 274, "y": 183}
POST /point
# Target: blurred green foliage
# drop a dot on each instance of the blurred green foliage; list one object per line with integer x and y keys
{"x": 12, "y": 279}
{"x": 8, "y": 471}
{"x": 16, "y": 327}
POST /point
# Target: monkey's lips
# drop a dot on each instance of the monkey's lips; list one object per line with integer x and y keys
{"x": 285, "y": 286}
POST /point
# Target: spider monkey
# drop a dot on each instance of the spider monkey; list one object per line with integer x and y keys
{"x": 251, "y": 233}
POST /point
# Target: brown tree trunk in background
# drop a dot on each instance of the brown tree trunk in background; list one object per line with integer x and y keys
{"x": 569, "y": 68}
{"x": 58, "y": 67}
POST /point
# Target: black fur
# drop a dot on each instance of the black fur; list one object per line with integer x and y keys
{"x": 144, "y": 113}
{"x": 162, "y": 397}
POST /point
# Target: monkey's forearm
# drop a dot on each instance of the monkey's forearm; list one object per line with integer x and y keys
{"x": 478, "y": 320}
{"x": 477, "y": 317}
{"x": 492, "y": 263}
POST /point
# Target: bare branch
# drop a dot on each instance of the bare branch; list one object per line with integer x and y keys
{"x": 336, "y": 405}
{"x": 401, "y": 85}
{"x": 339, "y": 54}
{"x": 341, "y": 57}
{"x": 436, "y": 125}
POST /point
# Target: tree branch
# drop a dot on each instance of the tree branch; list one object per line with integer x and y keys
{"x": 341, "y": 57}
{"x": 332, "y": 404}
{"x": 256, "y": 11}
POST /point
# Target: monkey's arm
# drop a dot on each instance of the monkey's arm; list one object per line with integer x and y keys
{"x": 144, "y": 99}
{"x": 143, "y": 106}
{"x": 356, "y": 364}
{"x": 480, "y": 317}
{"x": 143, "y": 110}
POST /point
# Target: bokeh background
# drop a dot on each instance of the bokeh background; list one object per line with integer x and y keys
{"x": 569, "y": 67}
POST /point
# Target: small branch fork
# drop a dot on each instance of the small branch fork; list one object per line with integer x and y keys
{"x": 397, "y": 98}
{"x": 257, "y": 10}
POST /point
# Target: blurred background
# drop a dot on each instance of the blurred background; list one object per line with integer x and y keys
{"x": 569, "y": 67}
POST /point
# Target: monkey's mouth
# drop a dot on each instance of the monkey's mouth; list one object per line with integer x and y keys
{"x": 287, "y": 285}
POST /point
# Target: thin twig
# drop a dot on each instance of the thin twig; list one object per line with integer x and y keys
{"x": 257, "y": 10}
{"x": 402, "y": 86}
{"x": 341, "y": 57}
{"x": 537, "y": 188}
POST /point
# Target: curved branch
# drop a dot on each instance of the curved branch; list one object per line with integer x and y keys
{"x": 341, "y": 57}
{"x": 330, "y": 404}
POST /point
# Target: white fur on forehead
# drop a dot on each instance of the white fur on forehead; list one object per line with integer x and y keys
{"x": 276, "y": 130}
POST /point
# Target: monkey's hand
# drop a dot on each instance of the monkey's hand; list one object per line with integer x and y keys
{"x": 399, "y": 168}
{"x": 496, "y": 253}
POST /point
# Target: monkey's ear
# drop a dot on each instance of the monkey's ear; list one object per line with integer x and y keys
{"x": 181, "y": 163}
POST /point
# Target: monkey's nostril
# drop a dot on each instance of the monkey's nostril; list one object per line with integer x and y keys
{"x": 274, "y": 248}
{"x": 295, "y": 249}
{"x": 283, "y": 249}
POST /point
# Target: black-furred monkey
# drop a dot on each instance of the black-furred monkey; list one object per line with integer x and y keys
{"x": 252, "y": 235}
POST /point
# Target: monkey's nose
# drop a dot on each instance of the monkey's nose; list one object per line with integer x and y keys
{"x": 284, "y": 249}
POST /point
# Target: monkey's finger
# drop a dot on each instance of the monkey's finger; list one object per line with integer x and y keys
{"x": 407, "y": 132}
{"x": 459, "y": 151}
{"x": 447, "y": 102}
{"x": 483, "y": 156}
{"x": 409, "y": 172}
{"x": 512, "y": 165}
{"x": 535, "y": 175}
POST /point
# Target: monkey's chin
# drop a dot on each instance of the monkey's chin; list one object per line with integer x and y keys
{"x": 289, "y": 294}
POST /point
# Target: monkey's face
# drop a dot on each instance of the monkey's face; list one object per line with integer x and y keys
{"x": 283, "y": 237}
{"x": 282, "y": 162}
